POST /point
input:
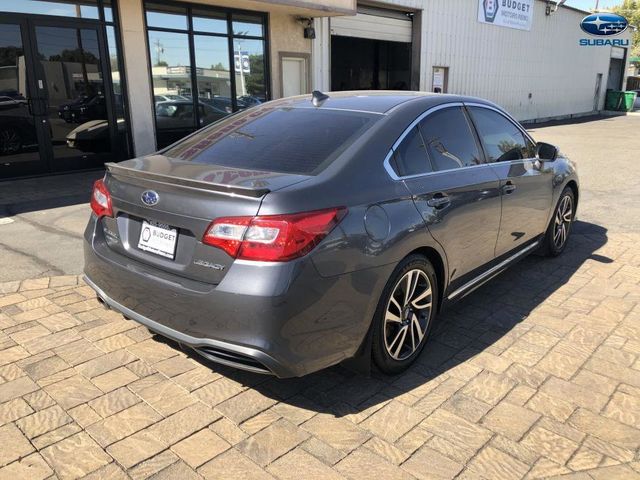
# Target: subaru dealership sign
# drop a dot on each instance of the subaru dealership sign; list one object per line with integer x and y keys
{"x": 506, "y": 13}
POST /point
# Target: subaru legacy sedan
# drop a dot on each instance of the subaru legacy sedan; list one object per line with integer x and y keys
{"x": 315, "y": 229}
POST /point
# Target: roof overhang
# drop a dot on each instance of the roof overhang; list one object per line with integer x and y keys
{"x": 303, "y": 8}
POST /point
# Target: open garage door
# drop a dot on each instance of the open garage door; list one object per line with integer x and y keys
{"x": 371, "y": 50}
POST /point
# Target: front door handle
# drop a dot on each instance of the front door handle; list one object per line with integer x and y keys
{"x": 508, "y": 188}
{"x": 439, "y": 200}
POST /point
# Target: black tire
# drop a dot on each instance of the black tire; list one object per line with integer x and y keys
{"x": 554, "y": 242}
{"x": 385, "y": 331}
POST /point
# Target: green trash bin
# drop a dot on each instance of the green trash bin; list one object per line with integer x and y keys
{"x": 619, "y": 101}
{"x": 629, "y": 100}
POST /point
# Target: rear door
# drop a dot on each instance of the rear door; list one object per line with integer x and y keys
{"x": 456, "y": 193}
{"x": 525, "y": 182}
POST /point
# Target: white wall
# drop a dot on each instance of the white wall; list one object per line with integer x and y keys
{"x": 504, "y": 65}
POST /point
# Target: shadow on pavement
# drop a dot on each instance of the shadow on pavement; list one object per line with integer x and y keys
{"x": 475, "y": 324}
{"x": 43, "y": 193}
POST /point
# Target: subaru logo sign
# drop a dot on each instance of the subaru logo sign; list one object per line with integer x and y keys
{"x": 149, "y": 197}
{"x": 604, "y": 24}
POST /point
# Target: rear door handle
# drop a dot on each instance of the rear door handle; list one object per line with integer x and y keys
{"x": 508, "y": 188}
{"x": 439, "y": 200}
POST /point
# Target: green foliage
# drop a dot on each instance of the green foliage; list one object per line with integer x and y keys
{"x": 630, "y": 9}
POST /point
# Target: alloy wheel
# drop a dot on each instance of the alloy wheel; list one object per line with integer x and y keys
{"x": 563, "y": 218}
{"x": 408, "y": 314}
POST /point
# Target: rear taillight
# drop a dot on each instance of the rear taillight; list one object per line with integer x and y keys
{"x": 272, "y": 238}
{"x": 101, "y": 200}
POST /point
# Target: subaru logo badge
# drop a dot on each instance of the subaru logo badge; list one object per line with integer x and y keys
{"x": 604, "y": 24}
{"x": 149, "y": 197}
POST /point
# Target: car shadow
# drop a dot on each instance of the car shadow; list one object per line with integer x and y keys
{"x": 487, "y": 320}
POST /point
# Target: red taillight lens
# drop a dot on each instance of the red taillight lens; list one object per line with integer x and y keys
{"x": 272, "y": 238}
{"x": 101, "y": 200}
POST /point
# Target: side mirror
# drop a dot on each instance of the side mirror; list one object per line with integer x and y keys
{"x": 546, "y": 151}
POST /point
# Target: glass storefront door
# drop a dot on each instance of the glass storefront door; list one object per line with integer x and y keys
{"x": 56, "y": 111}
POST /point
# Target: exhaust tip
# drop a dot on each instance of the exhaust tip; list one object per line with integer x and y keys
{"x": 102, "y": 302}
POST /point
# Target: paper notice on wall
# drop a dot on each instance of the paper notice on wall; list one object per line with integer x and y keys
{"x": 507, "y": 13}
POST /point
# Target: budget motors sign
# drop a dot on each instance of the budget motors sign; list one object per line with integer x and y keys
{"x": 506, "y": 13}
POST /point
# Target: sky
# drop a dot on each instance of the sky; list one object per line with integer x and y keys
{"x": 590, "y": 4}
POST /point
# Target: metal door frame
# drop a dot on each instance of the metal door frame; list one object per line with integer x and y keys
{"x": 28, "y": 24}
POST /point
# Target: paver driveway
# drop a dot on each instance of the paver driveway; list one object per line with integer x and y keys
{"x": 536, "y": 374}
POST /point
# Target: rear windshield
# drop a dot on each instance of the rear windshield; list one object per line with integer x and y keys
{"x": 288, "y": 140}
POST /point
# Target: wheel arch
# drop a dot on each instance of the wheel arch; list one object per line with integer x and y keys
{"x": 573, "y": 185}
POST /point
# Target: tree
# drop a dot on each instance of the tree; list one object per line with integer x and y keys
{"x": 161, "y": 63}
{"x": 630, "y": 9}
{"x": 219, "y": 67}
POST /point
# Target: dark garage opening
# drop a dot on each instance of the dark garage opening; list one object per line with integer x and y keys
{"x": 364, "y": 64}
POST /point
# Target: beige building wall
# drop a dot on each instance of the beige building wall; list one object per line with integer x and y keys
{"x": 286, "y": 34}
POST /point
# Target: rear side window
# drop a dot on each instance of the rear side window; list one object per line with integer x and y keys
{"x": 501, "y": 138}
{"x": 410, "y": 157}
{"x": 288, "y": 140}
{"x": 449, "y": 139}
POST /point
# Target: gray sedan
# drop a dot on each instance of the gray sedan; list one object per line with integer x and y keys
{"x": 310, "y": 230}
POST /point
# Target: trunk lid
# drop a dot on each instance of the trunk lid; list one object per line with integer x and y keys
{"x": 189, "y": 196}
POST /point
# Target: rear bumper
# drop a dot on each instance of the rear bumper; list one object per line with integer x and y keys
{"x": 221, "y": 352}
{"x": 278, "y": 318}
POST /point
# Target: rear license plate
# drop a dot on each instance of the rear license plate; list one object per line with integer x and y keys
{"x": 158, "y": 238}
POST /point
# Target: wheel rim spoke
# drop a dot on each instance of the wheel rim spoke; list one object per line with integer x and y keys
{"x": 416, "y": 301}
{"x": 415, "y": 322}
{"x": 398, "y": 342}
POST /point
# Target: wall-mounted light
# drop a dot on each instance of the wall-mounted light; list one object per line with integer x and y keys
{"x": 309, "y": 31}
{"x": 553, "y": 6}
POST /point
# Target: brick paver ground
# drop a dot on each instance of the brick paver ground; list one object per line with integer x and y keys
{"x": 535, "y": 375}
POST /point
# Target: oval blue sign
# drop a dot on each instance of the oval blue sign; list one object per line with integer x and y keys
{"x": 149, "y": 197}
{"x": 604, "y": 24}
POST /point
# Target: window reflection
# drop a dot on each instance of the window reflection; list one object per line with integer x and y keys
{"x": 163, "y": 16}
{"x": 77, "y": 9}
{"x": 250, "y": 72}
{"x": 189, "y": 96}
{"x": 213, "y": 74}
{"x": 209, "y": 22}
{"x": 248, "y": 25}
{"x": 18, "y": 140}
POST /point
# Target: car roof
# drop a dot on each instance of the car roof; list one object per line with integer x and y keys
{"x": 374, "y": 101}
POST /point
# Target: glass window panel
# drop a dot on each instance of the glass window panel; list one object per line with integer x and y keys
{"x": 251, "y": 25}
{"x": 172, "y": 89}
{"x": 210, "y": 22}
{"x": 214, "y": 79}
{"x": 410, "y": 158}
{"x": 18, "y": 139}
{"x": 77, "y": 9}
{"x": 164, "y": 16}
{"x": 251, "y": 87}
{"x": 449, "y": 139}
{"x": 296, "y": 140}
{"x": 69, "y": 61}
{"x": 502, "y": 140}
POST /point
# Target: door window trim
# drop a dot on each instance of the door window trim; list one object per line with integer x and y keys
{"x": 387, "y": 160}
{"x": 504, "y": 114}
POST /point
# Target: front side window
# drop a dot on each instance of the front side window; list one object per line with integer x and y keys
{"x": 502, "y": 139}
{"x": 410, "y": 157}
{"x": 449, "y": 139}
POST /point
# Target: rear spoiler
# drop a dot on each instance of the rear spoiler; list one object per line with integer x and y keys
{"x": 119, "y": 170}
